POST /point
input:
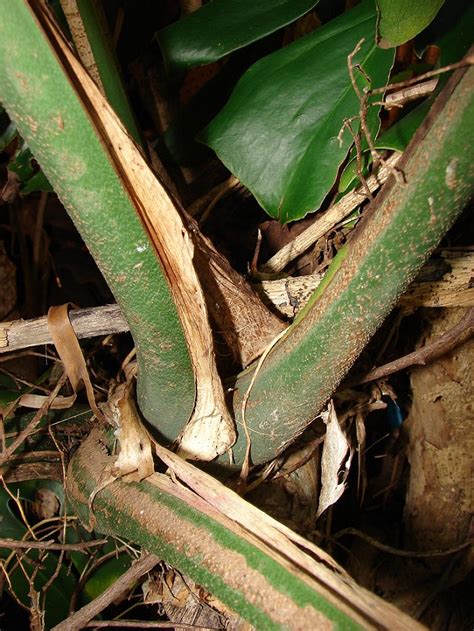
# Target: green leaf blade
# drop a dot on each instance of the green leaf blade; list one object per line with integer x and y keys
{"x": 40, "y": 569}
{"x": 401, "y": 20}
{"x": 223, "y": 26}
{"x": 278, "y": 133}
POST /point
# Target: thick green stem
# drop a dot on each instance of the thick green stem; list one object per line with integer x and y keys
{"x": 406, "y": 223}
{"x": 92, "y": 36}
{"x": 413, "y": 212}
{"x": 51, "y": 117}
{"x": 263, "y": 585}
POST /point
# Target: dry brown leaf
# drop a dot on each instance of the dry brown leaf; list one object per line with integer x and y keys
{"x": 335, "y": 461}
{"x": 70, "y": 353}
{"x": 35, "y": 401}
{"x": 135, "y": 460}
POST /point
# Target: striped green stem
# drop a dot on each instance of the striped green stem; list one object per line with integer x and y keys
{"x": 93, "y": 44}
{"x": 410, "y": 216}
{"x": 261, "y": 584}
{"x": 302, "y": 371}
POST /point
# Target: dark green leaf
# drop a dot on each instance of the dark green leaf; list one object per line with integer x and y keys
{"x": 401, "y": 20}
{"x": 279, "y": 131}
{"x": 222, "y": 26}
{"x": 456, "y": 42}
{"x": 21, "y": 163}
{"x": 106, "y": 575}
{"x": 7, "y": 135}
{"x": 36, "y": 182}
{"x": 453, "y": 46}
{"x": 447, "y": 18}
{"x": 10, "y": 526}
{"x": 58, "y": 596}
{"x": 9, "y": 391}
{"x": 75, "y": 534}
{"x": 399, "y": 135}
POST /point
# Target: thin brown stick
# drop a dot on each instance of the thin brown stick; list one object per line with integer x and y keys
{"x": 141, "y": 624}
{"x": 229, "y": 184}
{"x": 22, "y": 436}
{"x": 50, "y": 545}
{"x": 358, "y": 145}
{"x": 44, "y": 356}
{"x": 85, "y": 322}
{"x": 447, "y": 342}
{"x": 363, "y": 97}
{"x": 468, "y": 61}
{"x": 8, "y": 373}
{"x": 329, "y": 219}
{"x": 91, "y": 566}
{"x": 80, "y": 618}
{"x": 397, "y": 551}
{"x": 54, "y": 575}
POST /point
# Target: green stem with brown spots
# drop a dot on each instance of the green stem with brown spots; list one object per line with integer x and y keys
{"x": 405, "y": 223}
{"x": 53, "y": 119}
{"x": 263, "y": 585}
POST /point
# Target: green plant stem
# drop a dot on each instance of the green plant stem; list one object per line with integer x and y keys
{"x": 301, "y": 372}
{"x": 399, "y": 232}
{"x": 107, "y": 66}
{"x": 51, "y": 117}
{"x": 261, "y": 584}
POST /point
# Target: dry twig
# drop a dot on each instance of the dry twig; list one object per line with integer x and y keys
{"x": 447, "y": 342}
{"x": 397, "y": 551}
{"x": 22, "y": 436}
{"x": 329, "y": 219}
{"x": 80, "y": 618}
{"x": 50, "y": 545}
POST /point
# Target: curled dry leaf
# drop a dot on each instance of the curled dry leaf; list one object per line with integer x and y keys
{"x": 135, "y": 460}
{"x": 35, "y": 401}
{"x": 335, "y": 461}
{"x": 70, "y": 353}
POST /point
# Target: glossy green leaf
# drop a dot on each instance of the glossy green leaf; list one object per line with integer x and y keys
{"x": 37, "y": 182}
{"x": 106, "y": 575}
{"x": 279, "y": 131}
{"x": 222, "y": 26}
{"x": 401, "y": 20}
{"x": 453, "y": 46}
